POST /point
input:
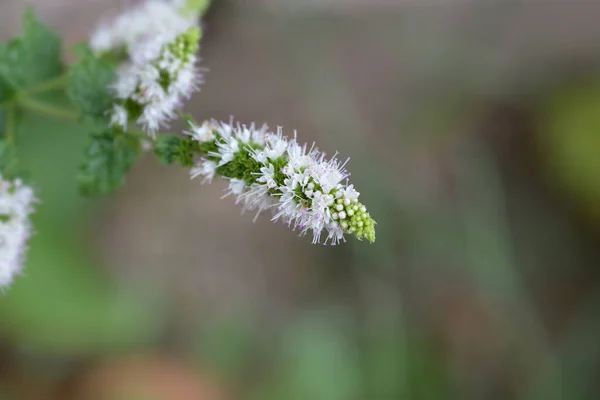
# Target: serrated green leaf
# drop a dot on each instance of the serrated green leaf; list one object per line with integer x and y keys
{"x": 33, "y": 58}
{"x": 89, "y": 82}
{"x": 108, "y": 158}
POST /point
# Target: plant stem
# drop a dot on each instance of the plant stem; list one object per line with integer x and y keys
{"x": 10, "y": 124}
{"x": 140, "y": 134}
{"x": 47, "y": 109}
{"x": 52, "y": 84}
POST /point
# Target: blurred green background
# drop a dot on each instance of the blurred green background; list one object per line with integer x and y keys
{"x": 474, "y": 132}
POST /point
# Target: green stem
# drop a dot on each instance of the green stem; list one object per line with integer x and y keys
{"x": 47, "y": 109}
{"x": 53, "y": 84}
{"x": 10, "y": 124}
{"x": 140, "y": 134}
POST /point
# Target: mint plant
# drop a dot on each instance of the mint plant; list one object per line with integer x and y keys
{"x": 129, "y": 81}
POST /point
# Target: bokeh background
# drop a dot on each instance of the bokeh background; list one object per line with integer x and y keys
{"x": 474, "y": 132}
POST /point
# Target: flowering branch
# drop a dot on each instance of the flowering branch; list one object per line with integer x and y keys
{"x": 129, "y": 81}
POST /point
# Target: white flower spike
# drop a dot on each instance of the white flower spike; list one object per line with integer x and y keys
{"x": 155, "y": 44}
{"x": 269, "y": 171}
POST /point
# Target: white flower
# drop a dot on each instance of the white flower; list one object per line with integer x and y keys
{"x": 227, "y": 149}
{"x": 300, "y": 156}
{"x": 203, "y": 133}
{"x": 127, "y": 82}
{"x": 242, "y": 133}
{"x": 119, "y": 116}
{"x": 350, "y": 193}
{"x": 205, "y": 168}
{"x": 16, "y": 205}
{"x": 236, "y": 187}
{"x": 267, "y": 176}
{"x": 224, "y": 129}
{"x": 187, "y": 79}
{"x": 276, "y": 145}
{"x": 328, "y": 174}
{"x": 256, "y": 197}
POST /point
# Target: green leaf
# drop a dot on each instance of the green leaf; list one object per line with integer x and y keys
{"x": 108, "y": 157}
{"x": 89, "y": 82}
{"x": 28, "y": 60}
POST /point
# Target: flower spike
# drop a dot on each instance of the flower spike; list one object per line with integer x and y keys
{"x": 268, "y": 171}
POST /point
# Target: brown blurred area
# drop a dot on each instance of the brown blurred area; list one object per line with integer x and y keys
{"x": 479, "y": 249}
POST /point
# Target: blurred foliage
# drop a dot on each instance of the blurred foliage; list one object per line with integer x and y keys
{"x": 33, "y": 58}
{"x": 569, "y": 140}
{"x": 88, "y": 79}
{"x": 82, "y": 311}
{"x": 108, "y": 157}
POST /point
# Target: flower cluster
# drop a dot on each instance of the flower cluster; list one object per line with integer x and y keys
{"x": 16, "y": 205}
{"x": 266, "y": 170}
{"x": 161, "y": 74}
{"x": 156, "y": 45}
{"x": 152, "y": 17}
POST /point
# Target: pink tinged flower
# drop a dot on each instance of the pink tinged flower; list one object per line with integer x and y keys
{"x": 267, "y": 176}
{"x": 206, "y": 169}
{"x": 276, "y": 145}
{"x": 203, "y": 133}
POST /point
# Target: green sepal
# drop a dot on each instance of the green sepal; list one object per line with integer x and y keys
{"x": 243, "y": 166}
{"x": 107, "y": 158}
{"x": 210, "y": 147}
{"x": 171, "y": 148}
